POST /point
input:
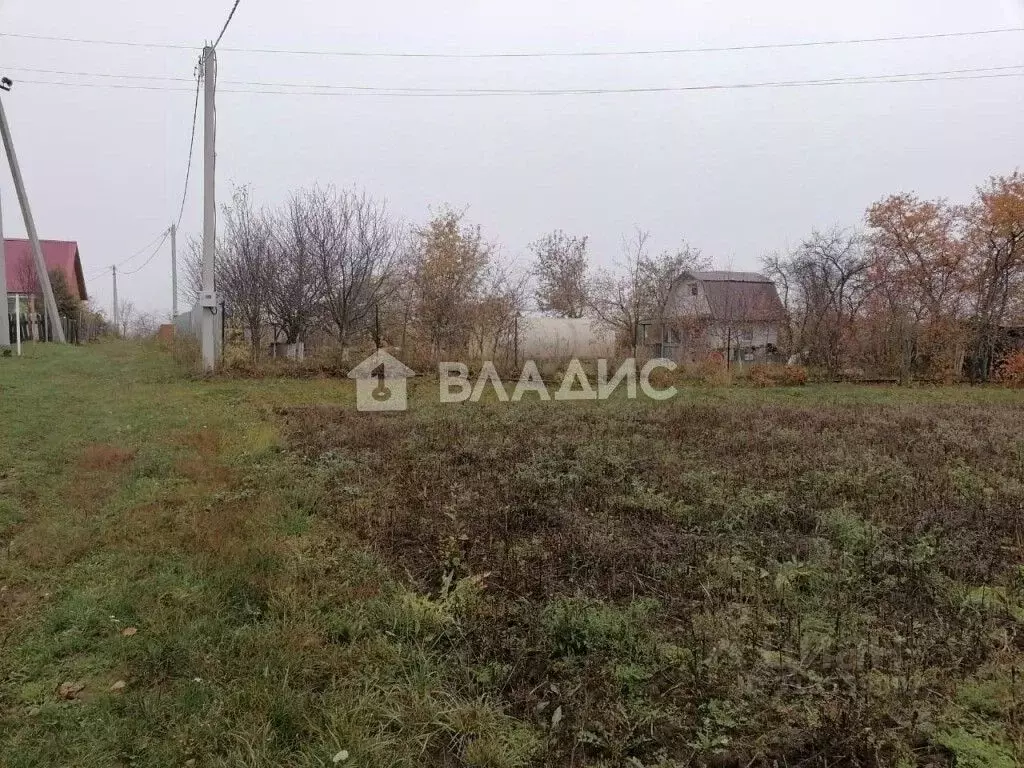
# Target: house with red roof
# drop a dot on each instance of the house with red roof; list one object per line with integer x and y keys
{"x": 59, "y": 255}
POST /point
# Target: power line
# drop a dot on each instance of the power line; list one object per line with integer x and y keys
{"x": 529, "y": 55}
{"x": 74, "y": 73}
{"x": 227, "y": 23}
{"x": 402, "y": 90}
{"x": 191, "y": 149}
{"x": 981, "y": 73}
{"x": 118, "y": 43}
{"x": 103, "y": 270}
{"x": 138, "y": 253}
{"x": 151, "y": 256}
{"x": 650, "y": 52}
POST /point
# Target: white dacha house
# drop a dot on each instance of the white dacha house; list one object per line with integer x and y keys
{"x": 736, "y": 314}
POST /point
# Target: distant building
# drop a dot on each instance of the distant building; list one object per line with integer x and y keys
{"x": 22, "y": 282}
{"x": 738, "y": 314}
{"x": 560, "y": 338}
{"x": 60, "y": 256}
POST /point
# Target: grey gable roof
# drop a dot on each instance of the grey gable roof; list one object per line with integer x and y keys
{"x": 730, "y": 277}
{"x": 740, "y": 297}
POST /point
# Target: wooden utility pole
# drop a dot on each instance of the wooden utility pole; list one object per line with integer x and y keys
{"x": 30, "y": 224}
{"x": 208, "y": 300}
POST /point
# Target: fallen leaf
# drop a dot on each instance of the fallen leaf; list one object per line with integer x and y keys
{"x": 119, "y": 686}
{"x": 341, "y": 757}
{"x": 556, "y": 717}
{"x": 129, "y": 631}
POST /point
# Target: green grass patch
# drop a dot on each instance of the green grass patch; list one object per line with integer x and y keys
{"x": 249, "y": 572}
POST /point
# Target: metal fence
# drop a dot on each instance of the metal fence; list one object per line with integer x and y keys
{"x": 189, "y": 324}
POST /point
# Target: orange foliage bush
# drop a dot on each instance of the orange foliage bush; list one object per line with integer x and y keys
{"x": 767, "y": 375}
{"x": 1011, "y": 370}
{"x": 713, "y": 370}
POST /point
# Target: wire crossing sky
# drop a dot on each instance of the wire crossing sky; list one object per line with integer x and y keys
{"x": 737, "y": 130}
{"x": 521, "y": 55}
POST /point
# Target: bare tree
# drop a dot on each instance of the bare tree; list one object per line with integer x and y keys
{"x": 659, "y": 275}
{"x": 560, "y": 266}
{"x": 643, "y": 288}
{"x": 67, "y": 302}
{"x": 619, "y": 300}
{"x": 29, "y": 279}
{"x": 191, "y": 282}
{"x": 294, "y": 286}
{"x": 125, "y": 319}
{"x": 144, "y": 325}
{"x": 244, "y": 265}
{"x": 495, "y": 312}
{"x": 355, "y": 248}
{"x": 824, "y": 287}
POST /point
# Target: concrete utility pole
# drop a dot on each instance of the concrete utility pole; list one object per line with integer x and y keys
{"x": 174, "y": 272}
{"x": 208, "y": 301}
{"x": 30, "y": 224}
{"x": 117, "y": 318}
{"x": 5, "y": 327}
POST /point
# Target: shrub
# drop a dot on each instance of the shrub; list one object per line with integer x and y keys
{"x": 713, "y": 370}
{"x": 767, "y": 375}
{"x": 793, "y": 376}
{"x": 238, "y": 363}
{"x": 662, "y": 378}
{"x": 1011, "y": 370}
{"x": 760, "y": 375}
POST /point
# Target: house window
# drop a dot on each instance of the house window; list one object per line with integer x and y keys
{"x": 695, "y": 290}
{"x": 746, "y": 336}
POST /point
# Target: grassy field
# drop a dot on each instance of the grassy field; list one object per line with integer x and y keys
{"x": 250, "y": 573}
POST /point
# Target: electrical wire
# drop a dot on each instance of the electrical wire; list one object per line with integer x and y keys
{"x": 151, "y": 256}
{"x": 227, "y": 23}
{"x": 74, "y": 73}
{"x": 139, "y": 252}
{"x": 117, "y": 43}
{"x": 534, "y": 54}
{"x": 191, "y": 149}
{"x": 103, "y": 270}
{"x": 980, "y": 73}
{"x": 501, "y": 91}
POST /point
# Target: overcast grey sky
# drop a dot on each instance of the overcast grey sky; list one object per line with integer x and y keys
{"x": 737, "y": 173}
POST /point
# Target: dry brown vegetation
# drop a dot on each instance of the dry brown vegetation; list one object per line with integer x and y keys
{"x": 816, "y": 576}
{"x": 100, "y": 457}
{"x": 753, "y": 584}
